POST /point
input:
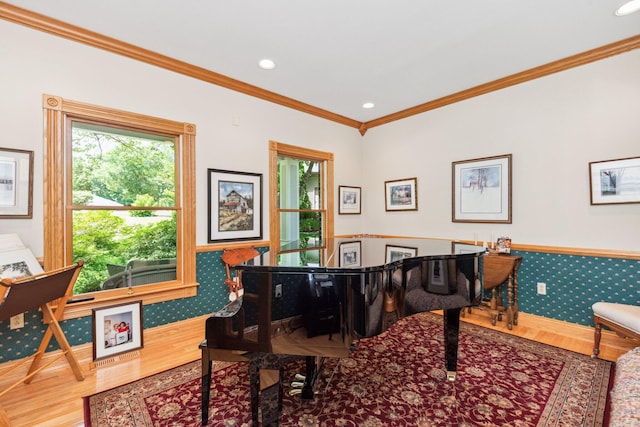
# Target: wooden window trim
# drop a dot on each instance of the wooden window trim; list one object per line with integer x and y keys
{"x": 56, "y": 238}
{"x": 279, "y": 149}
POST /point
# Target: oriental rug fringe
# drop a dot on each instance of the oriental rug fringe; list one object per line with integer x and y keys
{"x": 393, "y": 379}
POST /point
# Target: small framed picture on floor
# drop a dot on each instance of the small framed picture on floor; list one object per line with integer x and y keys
{"x": 117, "y": 329}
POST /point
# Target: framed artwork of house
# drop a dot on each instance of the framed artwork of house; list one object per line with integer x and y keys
{"x": 235, "y": 205}
{"x": 401, "y": 194}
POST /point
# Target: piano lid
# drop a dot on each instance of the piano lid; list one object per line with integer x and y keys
{"x": 359, "y": 253}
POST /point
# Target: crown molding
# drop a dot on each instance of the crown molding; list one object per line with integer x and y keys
{"x": 512, "y": 80}
{"x": 71, "y": 32}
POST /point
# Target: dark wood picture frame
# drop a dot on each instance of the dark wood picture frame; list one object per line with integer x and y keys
{"x": 16, "y": 183}
{"x": 615, "y": 181}
{"x": 235, "y": 205}
{"x": 481, "y": 190}
{"x": 401, "y": 194}
{"x": 349, "y": 199}
{"x": 117, "y": 329}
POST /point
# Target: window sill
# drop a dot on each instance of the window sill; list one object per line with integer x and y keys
{"x": 149, "y": 294}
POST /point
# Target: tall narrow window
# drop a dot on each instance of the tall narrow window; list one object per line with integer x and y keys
{"x": 120, "y": 194}
{"x": 303, "y": 202}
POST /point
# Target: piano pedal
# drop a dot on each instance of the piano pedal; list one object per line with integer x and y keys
{"x": 297, "y": 384}
{"x": 300, "y": 377}
{"x": 297, "y": 391}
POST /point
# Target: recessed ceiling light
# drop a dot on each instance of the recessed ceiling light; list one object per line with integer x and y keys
{"x": 368, "y": 105}
{"x": 628, "y": 8}
{"x": 267, "y": 64}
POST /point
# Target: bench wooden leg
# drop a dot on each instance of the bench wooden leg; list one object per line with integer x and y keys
{"x": 597, "y": 335}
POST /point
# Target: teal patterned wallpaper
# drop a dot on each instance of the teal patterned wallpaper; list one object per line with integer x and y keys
{"x": 574, "y": 283}
{"x": 212, "y": 295}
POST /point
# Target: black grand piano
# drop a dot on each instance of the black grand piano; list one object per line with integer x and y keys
{"x": 318, "y": 304}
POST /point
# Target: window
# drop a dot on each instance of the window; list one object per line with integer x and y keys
{"x": 303, "y": 201}
{"x": 119, "y": 193}
{"x": 123, "y": 207}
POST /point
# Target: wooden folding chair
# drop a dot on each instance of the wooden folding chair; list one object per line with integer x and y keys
{"x": 42, "y": 290}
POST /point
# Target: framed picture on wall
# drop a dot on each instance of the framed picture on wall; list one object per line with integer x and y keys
{"x": 482, "y": 190}
{"x": 117, "y": 329}
{"x": 16, "y": 183}
{"x": 401, "y": 194}
{"x": 615, "y": 181}
{"x": 235, "y": 205}
{"x": 349, "y": 200}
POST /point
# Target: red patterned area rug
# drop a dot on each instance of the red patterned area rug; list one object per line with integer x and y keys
{"x": 394, "y": 379}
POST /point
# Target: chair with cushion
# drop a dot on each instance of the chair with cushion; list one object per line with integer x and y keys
{"x": 623, "y": 319}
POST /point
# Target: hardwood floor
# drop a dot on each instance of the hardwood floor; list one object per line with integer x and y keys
{"x": 54, "y": 397}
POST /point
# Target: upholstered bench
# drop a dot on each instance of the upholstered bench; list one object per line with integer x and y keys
{"x": 624, "y": 319}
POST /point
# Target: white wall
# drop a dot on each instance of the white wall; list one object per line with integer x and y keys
{"x": 33, "y": 63}
{"x": 553, "y": 127}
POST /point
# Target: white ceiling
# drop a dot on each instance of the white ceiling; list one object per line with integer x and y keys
{"x": 338, "y": 54}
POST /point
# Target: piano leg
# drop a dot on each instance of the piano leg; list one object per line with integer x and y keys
{"x": 451, "y": 329}
{"x": 206, "y": 385}
{"x": 310, "y": 379}
{"x": 254, "y": 380}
